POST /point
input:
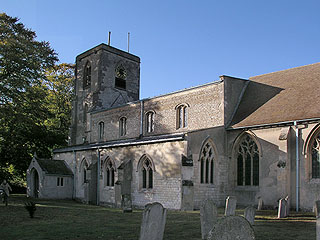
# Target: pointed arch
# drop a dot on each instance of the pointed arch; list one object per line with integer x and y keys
{"x": 146, "y": 171}
{"x": 109, "y": 169}
{"x": 312, "y": 152}
{"x": 247, "y": 155}
{"x": 207, "y": 161}
{"x": 83, "y": 170}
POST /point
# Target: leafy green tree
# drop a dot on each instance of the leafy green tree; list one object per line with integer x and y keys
{"x": 35, "y": 98}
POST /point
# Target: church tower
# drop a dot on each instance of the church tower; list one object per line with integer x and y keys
{"x": 106, "y": 77}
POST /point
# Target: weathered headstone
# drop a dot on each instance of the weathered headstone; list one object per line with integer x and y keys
{"x": 232, "y": 227}
{"x": 317, "y": 208}
{"x": 318, "y": 228}
{"x": 282, "y": 210}
{"x": 208, "y": 216}
{"x": 124, "y": 182}
{"x": 231, "y": 204}
{"x": 249, "y": 214}
{"x": 260, "y": 203}
{"x": 287, "y": 205}
{"x": 153, "y": 222}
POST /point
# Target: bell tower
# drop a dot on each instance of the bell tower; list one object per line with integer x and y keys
{"x": 106, "y": 77}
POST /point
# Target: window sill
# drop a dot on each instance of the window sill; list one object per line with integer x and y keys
{"x": 108, "y": 188}
{"x": 314, "y": 180}
{"x": 247, "y": 188}
{"x": 147, "y": 191}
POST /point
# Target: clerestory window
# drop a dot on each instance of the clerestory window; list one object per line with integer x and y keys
{"x": 182, "y": 116}
{"x": 150, "y": 122}
{"x": 101, "y": 130}
{"x": 122, "y": 126}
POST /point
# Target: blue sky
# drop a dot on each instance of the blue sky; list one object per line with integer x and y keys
{"x": 181, "y": 43}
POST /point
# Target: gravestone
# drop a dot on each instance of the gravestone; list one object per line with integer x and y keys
{"x": 231, "y": 227}
{"x": 208, "y": 216}
{"x": 317, "y": 208}
{"x": 249, "y": 214}
{"x": 153, "y": 222}
{"x": 287, "y": 205}
{"x": 260, "y": 203}
{"x": 282, "y": 210}
{"x": 318, "y": 228}
{"x": 124, "y": 185}
{"x": 231, "y": 204}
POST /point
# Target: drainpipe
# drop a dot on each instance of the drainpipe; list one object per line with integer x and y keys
{"x": 297, "y": 167}
{"x": 74, "y": 175}
{"x": 98, "y": 178}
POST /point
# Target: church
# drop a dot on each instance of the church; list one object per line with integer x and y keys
{"x": 256, "y": 138}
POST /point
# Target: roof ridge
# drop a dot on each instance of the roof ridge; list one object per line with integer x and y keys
{"x": 288, "y": 69}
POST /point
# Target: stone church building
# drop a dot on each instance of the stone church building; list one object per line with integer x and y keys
{"x": 250, "y": 138}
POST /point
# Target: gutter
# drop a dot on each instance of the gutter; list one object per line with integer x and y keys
{"x": 275, "y": 124}
{"x": 124, "y": 143}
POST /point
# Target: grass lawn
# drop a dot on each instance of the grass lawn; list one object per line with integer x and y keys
{"x": 71, "y": 220}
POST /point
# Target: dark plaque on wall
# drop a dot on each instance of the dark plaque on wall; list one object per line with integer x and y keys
{"x": 186, "y": 161}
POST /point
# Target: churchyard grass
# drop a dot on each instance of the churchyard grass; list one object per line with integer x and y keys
{"x": 72, "y": 220}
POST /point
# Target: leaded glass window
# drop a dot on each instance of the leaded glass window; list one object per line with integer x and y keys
{"x": 147, "y": 174}
{"x": 182, "y": 116}
{"x": 123, "y": 126}
{"x": 109, "y": 174}
{"x": 101, "y": 130}
{"x": 247, "y": 162}
{"x": 207, "y": 164}
{"x": 315, "y": 153}
{"x": 150, "y": 122}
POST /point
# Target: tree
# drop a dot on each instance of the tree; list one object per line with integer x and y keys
{"x": 35, "y": 98}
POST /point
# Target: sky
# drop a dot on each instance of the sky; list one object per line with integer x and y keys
{"x": 181, "y": 43}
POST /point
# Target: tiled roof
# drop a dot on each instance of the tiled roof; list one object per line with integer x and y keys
{"x": 55, "y": 167}
{"x": 282, "y": 96}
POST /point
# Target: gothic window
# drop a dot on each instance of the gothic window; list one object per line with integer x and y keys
{"x": 247, "y": 162}
{"x": 207, "y": 163}
{"x": 315, "y": 157}
{"x": 87, "y": 75}
{"x": 146, "y": 173}
{"x": 123, "y": 126}
{"x": 120, "y": 80}
{"x": 150, "y": 121}
{"x": 182, "y": 116}
{"x": 84, "y": 171}
{"x": 109, "y": 173}
{"x": 101, "y": 130}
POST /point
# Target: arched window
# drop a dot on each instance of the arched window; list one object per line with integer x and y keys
{"x": 121, "y": 75}
{"x": 207, "y": 163}
{"x": 182, "y": 116}
{"x": 123, "y": 126}
{"x": 87, "y": 75}
{"x": 150, "y": 122}
{"x": 146, "y": 173}
{"x": 247, "y": 154}
{"x": 84, "y": 171}
{"x": 109, "y": 173}
{"x": 101, "y": 130}
{"x": 315, "y": 156}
